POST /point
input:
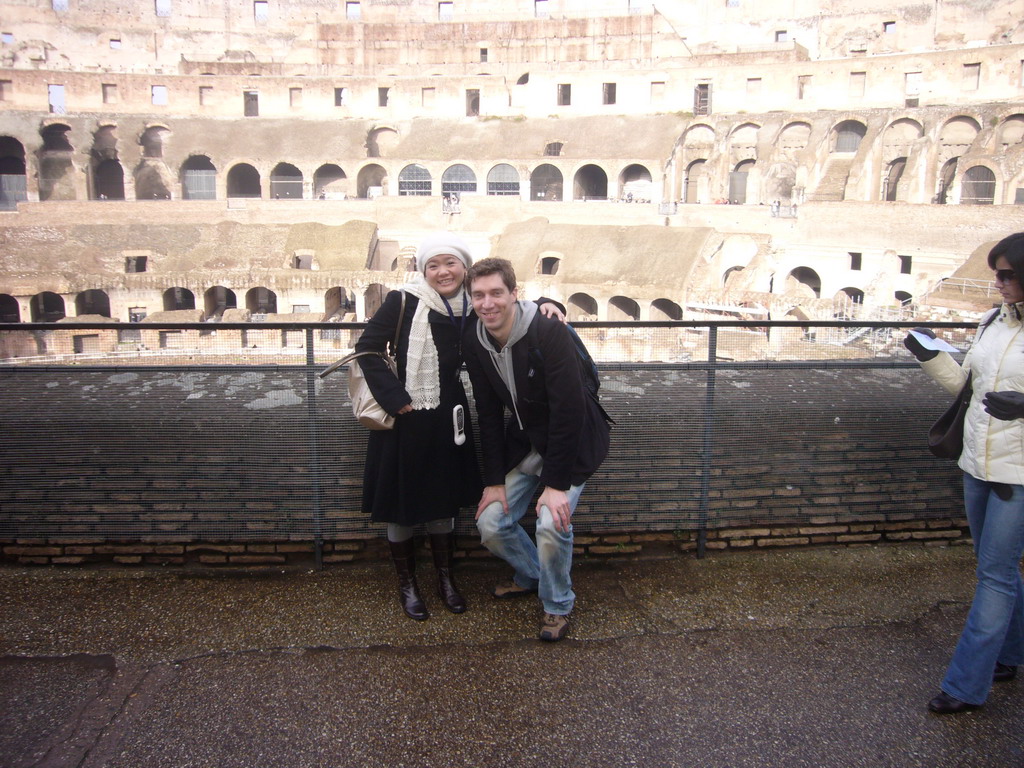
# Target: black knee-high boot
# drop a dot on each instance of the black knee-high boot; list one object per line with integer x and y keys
{"x": 403, "y": 553}
{"x": 442, "y": 546}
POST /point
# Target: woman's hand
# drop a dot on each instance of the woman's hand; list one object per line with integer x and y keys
{"x": 550, "y": 309}
{"x": 407, "y": 408}
{"x": 916, "y": 348}
{"x": 1008, "y": 405}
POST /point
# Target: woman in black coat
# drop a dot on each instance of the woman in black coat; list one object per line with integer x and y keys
{"x": 423, "y": 470}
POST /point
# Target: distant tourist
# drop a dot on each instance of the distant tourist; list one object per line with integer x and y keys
{"x": 991, "y": 646}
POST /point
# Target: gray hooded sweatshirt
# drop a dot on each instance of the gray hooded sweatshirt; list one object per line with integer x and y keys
{"x": 525, "y": 311}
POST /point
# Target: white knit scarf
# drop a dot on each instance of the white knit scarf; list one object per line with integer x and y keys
{"x": 422, "y": 377}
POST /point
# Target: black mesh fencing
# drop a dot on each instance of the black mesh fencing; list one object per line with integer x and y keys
{"x": 212, "y": 432}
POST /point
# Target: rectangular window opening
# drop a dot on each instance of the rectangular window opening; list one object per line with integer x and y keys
{"x": 608, "y": 93}
{"x": 445, "y": 11}
{"x": 352, "y": 11}
{"x": 972, "y": 76}
{"x": 205, "y": 94}
{"x": 260, "y": 11}
{"x": 702, "y": 99}
{"x": 540, "y": 9}
{"x": 163, "y": 8}
{"x": 55, "y": 95}
{"x": 564, "y": 94}
{"x": 781, "y": 36}
{"x": 109, "y": 91}
{"x": 251, "y": 101}
{"x": 427, "y": 96}
{"x": 6, "y": 89}
{"x": 889, "y": 27}
{"x": 857, "y": 84}
{"x": 60, "y": 5}
{"x": 383, "y": 94}
{"x": 115, "y": 43}
{"x": 472, "y": 102}
{"x": 159, "y": 95}
{"x": 657, "y": 92}
{"x": 340, "y": 97}
{"x": 855, "y": 259}
{"x": 483, "y": 55}
{"x": 7, "y": 38}
{"x": 753, "y": 86}
{"x": 803, "y": 86}
{"x": 906, "y": 263}
{"x": 135, "y": 264}
{"x": 294, "y": 97}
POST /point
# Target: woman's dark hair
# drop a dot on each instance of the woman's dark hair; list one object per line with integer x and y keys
{"x": 1010, "y": 248}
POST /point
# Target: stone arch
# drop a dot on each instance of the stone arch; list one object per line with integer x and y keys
{"x": 381, "y": 141}
{"x": 548, "y": 263}
{"x": 590, "y": 183}
{"x": 108, "y": 180}
{"x": 582, "y": 306}
{"x": 152, "y": 180}
{"x": 178, "y": 298}
{"x": 804, "y": 279}
{"x": 956, "y": 137}
{"x": 217, "y": 300}
{"x": 46, "y": 307}
{"x": 699, "y": 135}
{"x": 666, "y": 309}
{"x": 546, "y": 183}
{"x": 198, "y": 179}
{"x": 743, "y": 142}
{"x": 93, "y": 302}
{"x": 338, "y": 302}
{"x": 978, "y": 186}
{"x": 695, "y": 172}
{"x": 10, "y": 309}
{"x": 261, "y": 301}
{"x": 13, "y": 176}
{"x": 56, "y": 164}
{"x": 503, "y": 179}
{"x": 847, "y": 136}
{"x": 330, "y": 182}
{"x": 794, "y": 138}
{"x": 891, "y": 189}
{"x": 153, "y": 140}
{"x": 286, "y": 182}
{"x": 729, "y": 276}
{"x": 371, "y": 181}
{"x": 623, "y": 308}
{"x": 244, "y": 181}
{"x": 458, "y": 178}
{"x": 1011, "y": 131}
{"x": 636, "y": 183}
{"x": 414, "y": 180}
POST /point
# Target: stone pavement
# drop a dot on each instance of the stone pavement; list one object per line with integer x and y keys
{"x": 815, "y": 657}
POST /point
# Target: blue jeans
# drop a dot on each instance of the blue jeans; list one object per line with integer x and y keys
{"x": 544, "y": 566}
{"x": 995, "y": 625}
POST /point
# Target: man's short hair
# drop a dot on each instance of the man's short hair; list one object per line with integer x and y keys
{"x": 491, "y": 266}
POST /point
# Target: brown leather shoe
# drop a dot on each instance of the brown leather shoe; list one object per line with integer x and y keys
{"x": 554, "y": 627}
{"x": 511, "y": 589}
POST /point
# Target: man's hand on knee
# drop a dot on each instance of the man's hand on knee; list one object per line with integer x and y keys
{"x": 557, "y": 503}
{"x": 492, "y": 494}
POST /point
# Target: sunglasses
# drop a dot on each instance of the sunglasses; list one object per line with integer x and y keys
{"x": 1005, "y": 275}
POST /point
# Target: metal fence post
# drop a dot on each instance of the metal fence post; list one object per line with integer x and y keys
{"x": 314, "y": 451}
{"x": 707, "y": 441}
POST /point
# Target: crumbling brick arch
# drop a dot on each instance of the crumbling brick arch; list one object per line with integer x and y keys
{"x": 582, "y": 306}
{"x": 666, "y": 309}
{"x": 92, "y": 302}
{"x": 10, "y": 309}
{"x": 46, "y": 307}
{"x": 330, "y": 182}
{"x": 56, "y": 163}
{"x": 590, "y": 182}
{"x": 177, "y": 298}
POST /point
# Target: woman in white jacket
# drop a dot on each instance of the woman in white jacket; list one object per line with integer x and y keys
{"x": 991, "y": 645}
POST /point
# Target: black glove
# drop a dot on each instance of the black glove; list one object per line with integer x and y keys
{"x": 1008, "y": 405}
{"x": 915, "y": 347}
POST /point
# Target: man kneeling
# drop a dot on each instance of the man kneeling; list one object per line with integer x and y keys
{"x": 556, "y": 437}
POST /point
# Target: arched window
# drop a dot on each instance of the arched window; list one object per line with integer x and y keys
{"x": 892, "y": 179}
{"x": 261, "y": 301}
{"x": 978, "y": 186}
{"x": 582, "y": 307}
{"x": 546, "y": 183}
{"x": 694, "y": 173}
{"x": 414, "y": 180}
{"x": 458, "y": 178}
{"x": 286, "y": 182}
{"x": 503, "y": 180}
{"x": 218, "y": 300}
{"x": 178, "y": 298}
{"x": 10, "y": 310}
{"x": 330, "y": 183}
{"x": 590, "y": 183}
{"x": 244, "y": 181}
{"x": 624, "y": 307}
{"x": 666, "y": 309}
{"x": 46, "y": 307}
{"x": 849, "y": 134}
{"x": 808, "y": 277}
{"x": 109, "y": 180}
{"x": 92, "y": 302}
{"x": 198, "y": 179}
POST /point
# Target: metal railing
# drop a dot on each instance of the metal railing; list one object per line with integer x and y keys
{"x": 224, "y": 431}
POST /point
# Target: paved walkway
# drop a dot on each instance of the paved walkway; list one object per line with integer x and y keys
{"x": 822, "y": 657}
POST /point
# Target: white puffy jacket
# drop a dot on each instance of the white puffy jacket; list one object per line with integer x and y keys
{"x": 993, "y": 448}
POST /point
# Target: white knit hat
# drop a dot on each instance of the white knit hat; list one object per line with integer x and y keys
{"x": 442, "y": 243}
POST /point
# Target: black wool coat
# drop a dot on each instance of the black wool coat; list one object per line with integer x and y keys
{"x": 415, "y": 473}
{"x": 559, "y": 418}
